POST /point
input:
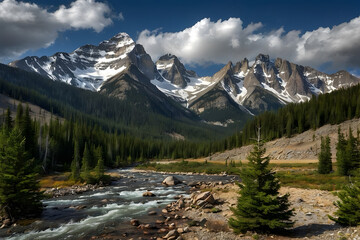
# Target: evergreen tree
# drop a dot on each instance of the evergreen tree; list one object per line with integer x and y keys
{"x": 8, "y": 123}
{"x": 75, "y": 164}
{"x": 28, "y": 131}
{"x": 19, "y": 189}
{"x": 100, "y": 164}
{"x": 325, "y": 164}
{"x": 348, "y": 213}
{"x": 341, "y": 160}
{"x": 19, "y": 115}
{"x": 85, "y": 167}
{"x": 259, "y": 207}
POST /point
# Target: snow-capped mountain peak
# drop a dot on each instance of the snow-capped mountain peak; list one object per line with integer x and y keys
{"x": 86, "y": 67}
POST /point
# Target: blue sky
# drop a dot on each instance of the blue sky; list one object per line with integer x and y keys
{"x": 300, "y": 31}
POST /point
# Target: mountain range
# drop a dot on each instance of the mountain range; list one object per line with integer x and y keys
{"x": 120, "y": 68}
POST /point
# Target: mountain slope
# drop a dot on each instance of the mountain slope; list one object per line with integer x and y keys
{"x": 266, "y": 85}
{"x": 90, "y": 66}
{"x": 120, "y": 68}
{"x": 112, "y": 114}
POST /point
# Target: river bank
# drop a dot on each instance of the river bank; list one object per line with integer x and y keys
{"x": 196, "y": 208}
{"x": 107, "y": 209}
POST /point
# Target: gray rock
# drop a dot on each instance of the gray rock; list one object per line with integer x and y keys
{"x": 171, "y": 181}
{"x": 171, "y": 234}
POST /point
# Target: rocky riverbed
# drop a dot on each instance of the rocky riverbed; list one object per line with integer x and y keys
{"x": 147, "y": 205}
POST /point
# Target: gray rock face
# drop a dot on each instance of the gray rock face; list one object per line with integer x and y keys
{"x": 268, "y": 85}
{"x": 171, "y": 69}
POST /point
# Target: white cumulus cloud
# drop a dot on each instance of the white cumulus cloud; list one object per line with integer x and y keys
{"x": 218, "y": 42}
{"x": 26, "y": 26}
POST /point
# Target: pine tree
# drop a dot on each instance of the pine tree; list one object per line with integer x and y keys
{"x": 28, "y": 131}
{"x": 325, "y": 164}
{"x": 8, "y": 123}
{"x": 259, "y": 207}
{"x": 85, "y": 166}
{"x": 19, "y": 189}
{"x": 342, "y": 162}
{"x": 75, "y": 164}
{"x": 348, "y": 213}
{"x": 100, "y": 164}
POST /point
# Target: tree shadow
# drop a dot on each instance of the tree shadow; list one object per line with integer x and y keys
{"x": 312, "y": 230}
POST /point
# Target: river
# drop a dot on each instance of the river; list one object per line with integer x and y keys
{"x": 105, "y": 210}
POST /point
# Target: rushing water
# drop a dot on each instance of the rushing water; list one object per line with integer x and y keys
{"x": 84, "y": 215}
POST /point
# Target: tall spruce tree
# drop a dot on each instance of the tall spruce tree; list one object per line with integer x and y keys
{"x": 75, "y": 164}
{"x": 100, "y": 163}
{"x": 341, "y": 160}
{"x": 325, "y": 164}
{"x": 19, "y": 189}
{"x": 259, "y": 207}
{"x": 8, "y": 123}
{"x": 348, "y": 213}
{"x": 85, "y": 164}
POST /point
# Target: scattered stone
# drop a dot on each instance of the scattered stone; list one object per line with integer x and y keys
{"x": 150, "y": 226}
{"x": 172, "y": 234}
{"x": 172, "y": 226}
{"x": 134, "y": 222}
{"x": 80, "y": 207}
{"x": 159, "y": 221}
{"x": 192, "y": 184}
{"x": 6, "y": 223}
{"x": 164, "y": 211}
{"x": 206, "y": 196}
{"x": 180, "y": 203}
{"x": 152, "y": 213}
{"x": 180, "y": 230}
{"x": 162, "y": 230}
{"x": 148, "y": 194}
{"x": 171, "y": 181}
{"x": 308, "y": 214}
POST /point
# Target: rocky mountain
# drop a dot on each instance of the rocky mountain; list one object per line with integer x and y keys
{"x": 121, "y": 68}
{"x": 90, "y": 66}
{"x": 117, "y": 67}
{"x": 265, "y": 85}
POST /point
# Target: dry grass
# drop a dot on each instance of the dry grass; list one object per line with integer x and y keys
{"x": 56, "y": 181}
{"x": 217, "y": 226}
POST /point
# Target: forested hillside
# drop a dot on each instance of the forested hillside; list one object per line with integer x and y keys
{"x": 329, "y": 108}
{"x": 111, "y": 114}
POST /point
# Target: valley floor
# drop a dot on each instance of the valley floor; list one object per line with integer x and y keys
{"x": 311, "y": 207}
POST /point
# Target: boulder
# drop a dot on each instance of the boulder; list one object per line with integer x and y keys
{"x": 171, "y": 181}
{"x": 148, "y": 194}
{"x": 206, "y": 196}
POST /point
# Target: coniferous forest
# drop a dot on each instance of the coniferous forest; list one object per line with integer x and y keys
{"x": 126, "y": 136}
